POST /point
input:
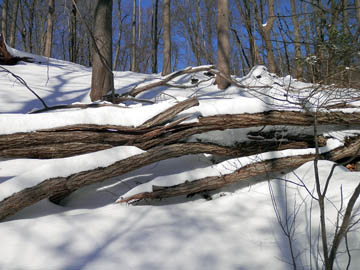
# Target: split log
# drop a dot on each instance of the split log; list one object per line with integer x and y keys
{"x": 255, "y": 169}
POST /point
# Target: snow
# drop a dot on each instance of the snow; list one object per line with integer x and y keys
{"x": 237, "y": 229}
{"x": 46, "y": 169}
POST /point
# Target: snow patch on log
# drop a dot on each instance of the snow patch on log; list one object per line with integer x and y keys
{"x": 47, "y": 169}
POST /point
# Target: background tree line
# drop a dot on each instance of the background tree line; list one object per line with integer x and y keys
{"x": 314, "y": 40}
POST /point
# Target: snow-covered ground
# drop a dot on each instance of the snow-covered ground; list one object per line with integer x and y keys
{"x": 237, "y": 229}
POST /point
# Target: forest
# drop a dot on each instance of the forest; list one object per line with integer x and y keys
{"x": 126, "y": 122}
{"x": 308, "y": 39}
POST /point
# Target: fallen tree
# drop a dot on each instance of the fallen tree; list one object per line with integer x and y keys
{"x": 60, "y": 186}
{"x": 166, "y": 136}
{"x": 163, "y": 129}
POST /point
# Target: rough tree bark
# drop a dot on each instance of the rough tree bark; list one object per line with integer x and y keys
{"x": 64, "y": 185}
{"x": 163, "y": 137}
{"x": 223, "y": 51}
{"x": 73, "y": 34}
{"x": 154, "y": 36}
{"x": 102, "y": 80}
{"x": 166, "y": 38}
{"x": 49, "y": 29}
{"x": 164, "y": 130}
{"x": 12, "y": 40}
{"x": 255, "y": 169}
{"x": 4, "y": 17}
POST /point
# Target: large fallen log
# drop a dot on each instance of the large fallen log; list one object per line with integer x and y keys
{"x": 158, "y": 131}
{"x": 68, "y": 149}
{"x": 64, "y": 185}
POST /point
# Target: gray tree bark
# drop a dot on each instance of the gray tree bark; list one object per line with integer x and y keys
{"x": 49, "y": 29}
{"x": 133, "y": 38}
{"x": 118, "y": 42}
{"x": 73, "y": 41}
{"x": 167, "y": 39}
{"x": 13, "y": 24}
{"x": 223, "y": 52}
{"x": 298, "y": 56}
{"x": 4, "y": 16}
{"x": 154, "y": 36}
{"x": 102, "y": 80}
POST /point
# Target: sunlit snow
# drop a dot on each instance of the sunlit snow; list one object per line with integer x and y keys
{"x": 237, "y": 229}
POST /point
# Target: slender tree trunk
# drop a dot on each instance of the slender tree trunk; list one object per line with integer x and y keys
{"x": 167, "y": 39}
{"x": 118, "y": 42}
{"x": 139, "y": 23}
{"x": 102, "y": 80}
{"x": 298, "y": 56}
{"x": 49, "y": 30}
{"x": 4, "y": 19}
{"x": 133, "y": 43}
{"x": 23, "y": 28}
{"x": 357, "y": 7}
{"x": 72, "y": 47}
{"x": 210, "y": 54}
{"x": 223, "y": 53}
{"x": 197, "y": 33}
{"x": 154, "y": 36}
{"x": 246, "y": 15}
{"x": 30, "y": 31}
{"x": 13, "y": 24}
{"x": 265, "y": 31}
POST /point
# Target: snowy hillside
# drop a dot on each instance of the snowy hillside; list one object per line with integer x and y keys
{"x": 235, "y": 228}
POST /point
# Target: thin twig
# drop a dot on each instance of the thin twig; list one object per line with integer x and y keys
{"x": 22, "y": 81}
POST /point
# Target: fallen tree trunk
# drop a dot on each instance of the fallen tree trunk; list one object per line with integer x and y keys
{"x": 68, "y": 149}
{"x": 64, "y": 185}
{"x": 159, "y": 130}
{"x": 255, "y": 169}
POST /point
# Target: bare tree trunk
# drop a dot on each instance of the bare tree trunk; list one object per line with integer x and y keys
{"x": 139, "y": 23}
{"x": 23, "y": 28}
{"x": 209, "y": 15}
{"x": 118, "y": 42}
{"x": 357, "y": 7}
{"x": 13, "y": 24}
{"x": 298, "y": 56}
{"x": 102, "y": 80}
{"x": 154, "y": 36}
{"x": 31, "y": 26}
{"x": 49, "y": 30}
{"x": 196, "y": 29}
{"x": 265, "y": 31}
{"x": 4, "y": 19}
{"x": 72, "y": 45}
{"x": 223, "y": 52}
{"x": 133, "y": 43}
{"x": 167, "y": 39}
